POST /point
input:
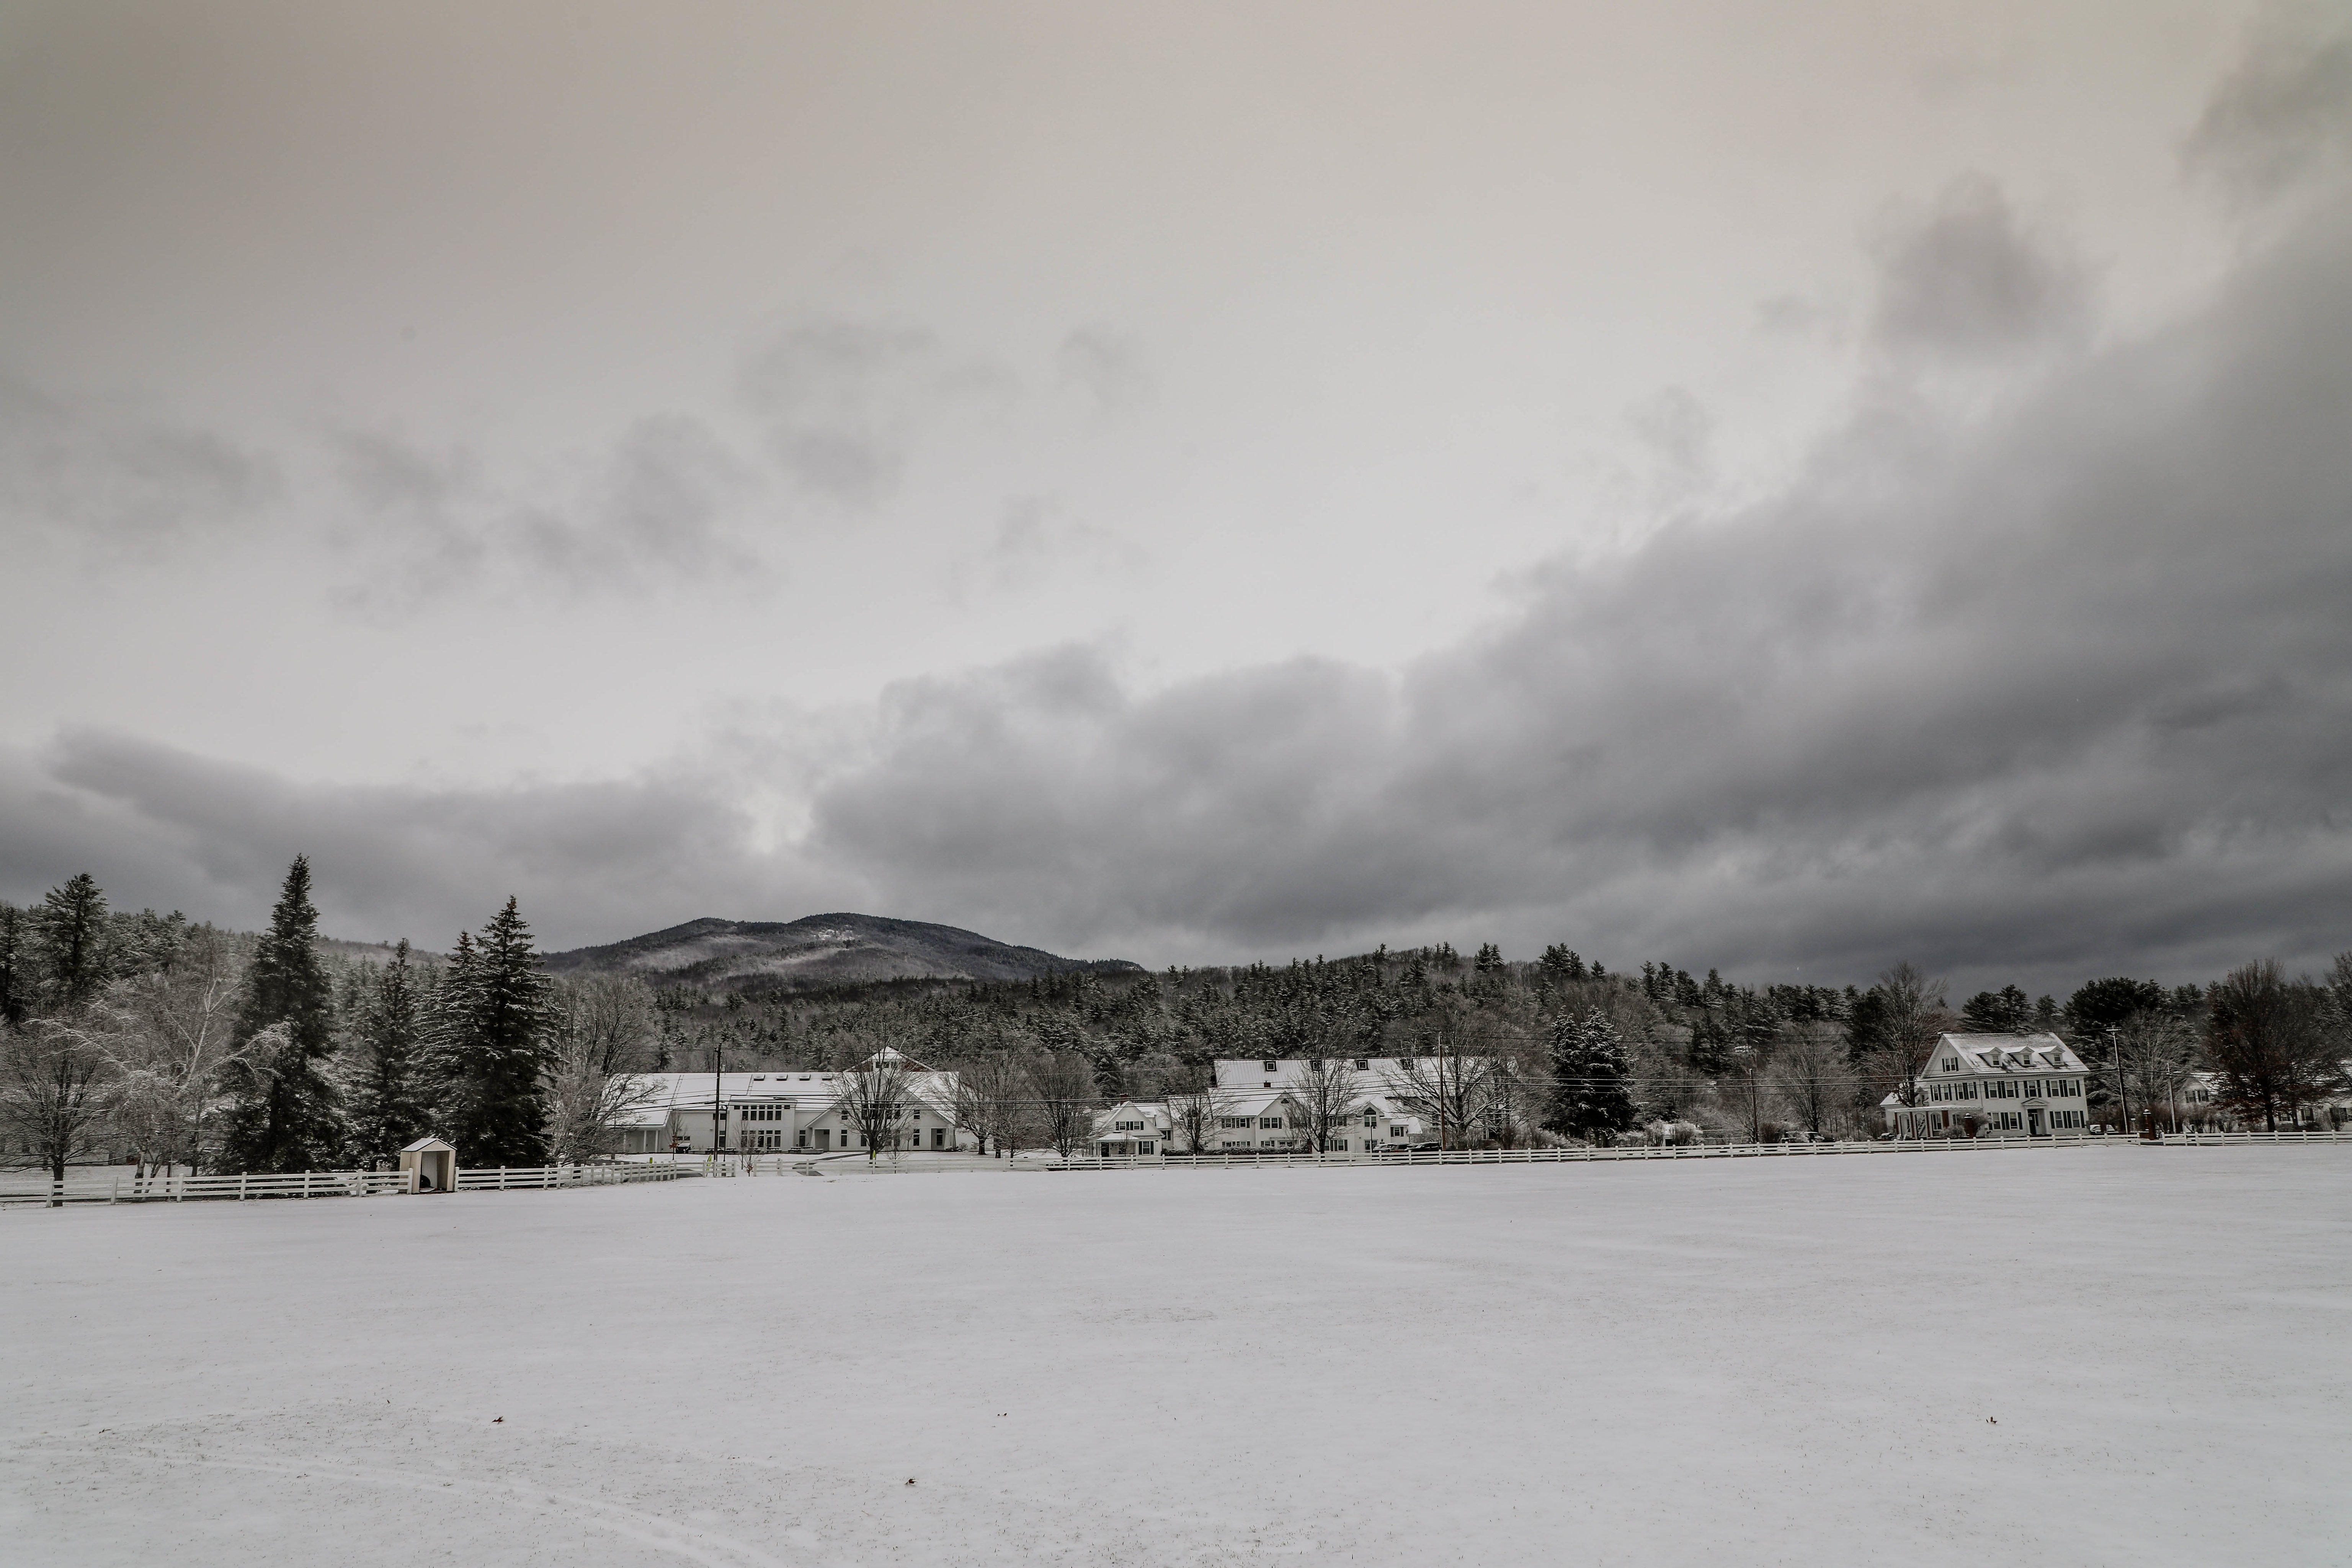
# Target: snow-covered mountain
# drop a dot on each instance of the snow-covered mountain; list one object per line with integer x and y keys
{"x": 819, "y": 951}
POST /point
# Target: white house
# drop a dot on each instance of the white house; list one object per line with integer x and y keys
{"x": 1131, "y": 1127}
{"x": 1996, "y": 1086}
{"x": 779, "y": 1112}
{"x": 1390, "y": 1094}
{"x": 1255, "y": 1122}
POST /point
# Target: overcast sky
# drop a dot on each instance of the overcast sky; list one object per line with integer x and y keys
{"x": 1777, "y": 488}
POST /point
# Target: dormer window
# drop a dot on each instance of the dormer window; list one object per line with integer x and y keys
{"x": 1363, "y": 1064}
{"x": 1272, "y": 1067}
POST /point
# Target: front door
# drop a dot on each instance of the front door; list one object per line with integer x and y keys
{"x": 825, "y": 1137}
{"x": 2036, "y": 1122}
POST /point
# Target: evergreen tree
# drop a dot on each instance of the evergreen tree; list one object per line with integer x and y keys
{"x": 1490, "y": 959}
{"x": 1710, "y": 1044}
{"x": 70, "y": 950}
{"x": 387, "y": 1100}
{"x": 15, "y": 965}
{"x": 2106, "y": 1005}
{"x": 284, "y": 1117}
{"x": 1561, "y": 964}
{"x": 1868, "y": 1031}
{"x": 1590, "y": 1096}
{"x": 493, "y": 1045}
{"x": 2003, "y": 1012}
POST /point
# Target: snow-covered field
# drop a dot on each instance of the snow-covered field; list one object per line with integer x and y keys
{"x": 2100, "y": 1355}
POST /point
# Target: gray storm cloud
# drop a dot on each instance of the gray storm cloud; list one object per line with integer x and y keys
{"x": 2055, "y": 691}
{"x": 2064, "y": 689}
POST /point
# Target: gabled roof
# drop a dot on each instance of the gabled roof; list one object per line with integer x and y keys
{"x": 429, "y": 1144}
{"x": 1153, "y": 1114}
{"x": 1987, "y": 1056}
{"x": 691, "y": 1091}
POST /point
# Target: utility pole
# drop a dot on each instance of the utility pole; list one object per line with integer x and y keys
{"x": 717, "y": 1099}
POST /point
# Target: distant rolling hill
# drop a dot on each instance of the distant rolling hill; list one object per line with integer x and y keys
{"x": 820, "y": 951}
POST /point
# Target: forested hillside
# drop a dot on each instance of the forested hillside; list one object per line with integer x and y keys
{"x": 151, "y": 1037}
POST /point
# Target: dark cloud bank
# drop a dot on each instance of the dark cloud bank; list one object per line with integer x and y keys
{"x": 2060, "y": 690}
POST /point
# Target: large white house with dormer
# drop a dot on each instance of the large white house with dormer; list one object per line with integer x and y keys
{"x": 1996, "y": 1086}
{"x": 1258, "y": 1106}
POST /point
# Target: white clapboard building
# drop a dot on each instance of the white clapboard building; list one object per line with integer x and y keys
{"x": 1996, "y": 1086}
{"x": 1258, "y": 1105}
{"x": 779, "y": 1112}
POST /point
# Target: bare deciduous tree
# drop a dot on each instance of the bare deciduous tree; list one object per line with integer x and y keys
{"x": 609, "y": 1022}
{"x": 586, "y": 1102}
{"x": 1325, "y": 1094}
{"x": 989, "y": 1101}
{"x": 2268, "y": 1040}
{"x": 1195, "y": 1104}
{"x": 54, "y": 1083}
{"x": 872, "y": 1097}
{"x": 1812, "y": 1075}
{"x": 1062, "y": 1086}
{"x": 168, "y": 1036}
{"x": 2155, "y": 1053}
{"x": 1915, "y": 1017}
{"x": 1451, "y": 1087}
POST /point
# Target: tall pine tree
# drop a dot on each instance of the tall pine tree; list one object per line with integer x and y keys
{"x": 15, "y": 965}
{"x": 388, "y": 1109}
{"x": 284, "y": 1115}
{"x": 493, "y": 1044}
{"x": 70, "y": 945}
{"x": 1590, "y": 1097}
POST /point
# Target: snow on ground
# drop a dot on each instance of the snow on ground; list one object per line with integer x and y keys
{"x": 2070, "y": 1356}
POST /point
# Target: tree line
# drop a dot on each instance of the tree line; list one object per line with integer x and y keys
{"x": 180, "y": 1046}
{"x": 183, "y": 1046}
{"x": 1557, "y": 1046}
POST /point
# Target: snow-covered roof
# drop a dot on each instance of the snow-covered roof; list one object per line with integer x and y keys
{"x": 428, "y": 1145}
{"x": 1388, "y": 1073}
{"x": 695, "y": 1090}
{"x": 1154, "y": 1117}
{"x": 1986, "y": 1056}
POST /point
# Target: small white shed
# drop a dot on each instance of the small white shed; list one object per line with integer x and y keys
{"x": 434, "y": 1164}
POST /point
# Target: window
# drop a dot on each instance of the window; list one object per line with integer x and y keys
{"x": 1363, "y": 1064}
{"x": 1230, "y": 1122}
{"x": 1274, "y": 1067}
{"x": 1396, "y": 1132}
{"x": 1269, "y": 1122}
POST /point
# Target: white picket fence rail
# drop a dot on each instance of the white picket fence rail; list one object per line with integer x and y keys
{"x": 504, "y": 1178}
{"x": 335, "y": 1184}
{"x": 2189, "y": 1140}
{"x": 1581, "y": 1154}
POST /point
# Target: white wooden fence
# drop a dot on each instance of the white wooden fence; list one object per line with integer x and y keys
{"x": 335, "y": 1184}
{"x": 2186, "y": 1139}
{"x": 1580, "y": 1154}
{"x": 519, "y": 1177}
